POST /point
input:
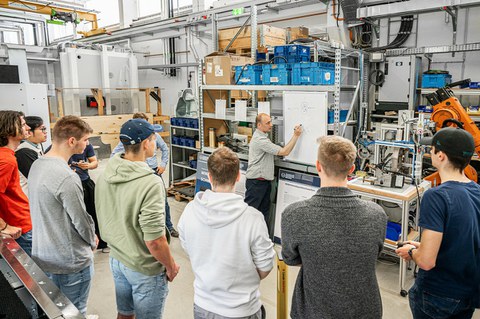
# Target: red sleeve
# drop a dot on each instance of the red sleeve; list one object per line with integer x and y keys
{"x": 6, "y": 173}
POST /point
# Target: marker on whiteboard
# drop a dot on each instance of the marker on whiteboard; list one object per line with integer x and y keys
{"x": 297, "y": 126}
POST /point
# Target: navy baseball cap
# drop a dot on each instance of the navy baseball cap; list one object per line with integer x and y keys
{"x": 452, "y": 140}
{"x": 135, "y": 131}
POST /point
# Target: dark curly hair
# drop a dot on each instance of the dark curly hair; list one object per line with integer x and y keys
{"x": 10, "y": 125}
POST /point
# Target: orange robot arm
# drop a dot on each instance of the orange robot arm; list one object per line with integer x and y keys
{"x": 448, "y": 111}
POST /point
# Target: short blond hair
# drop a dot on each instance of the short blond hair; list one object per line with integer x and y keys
{"x": 336, "y": 155}
{"x": 223, "y": 166}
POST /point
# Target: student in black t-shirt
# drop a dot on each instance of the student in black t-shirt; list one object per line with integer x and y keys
{"x": 448, "y": 254}
{"x": 81, "y": 163}
{"x": 31, "y": 148}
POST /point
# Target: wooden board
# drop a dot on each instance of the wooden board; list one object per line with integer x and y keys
{"x": 266, "y": 36}
{"x": 407, "y": 193}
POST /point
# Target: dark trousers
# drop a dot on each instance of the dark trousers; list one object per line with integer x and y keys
{"x": 425, "y": 305}
{"x": 89, "y": 199}
{"x": 257, "y": 195}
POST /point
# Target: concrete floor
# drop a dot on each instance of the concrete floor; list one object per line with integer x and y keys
{"x": 179, "y": 304}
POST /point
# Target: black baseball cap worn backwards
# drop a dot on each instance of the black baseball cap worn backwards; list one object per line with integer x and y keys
{"x": 452, "y": 140}
{"x": 135, "y": 131}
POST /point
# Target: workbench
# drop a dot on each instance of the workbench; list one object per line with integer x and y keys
{"x": 403, "y": 197}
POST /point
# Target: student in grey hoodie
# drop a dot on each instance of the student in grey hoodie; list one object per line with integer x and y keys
{"x": 228, "y": 245}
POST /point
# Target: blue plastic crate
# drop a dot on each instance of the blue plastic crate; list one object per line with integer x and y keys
{"x": 436, "y": 80}
{"x": 251, "y": 75}
{"x": 394, "y": 231}
{"x": 176, "y": 140}
{"x": 331, "y": 115}
{"x": 295, "y": 59}
{"x": 193, "y": 123}
{"x": 190, "y": 142}
{"x": 280, "y": 50}
{"x": 173, "y": 121}
{"x": 299, "y": 50}
{"x": 193, "y": 163}
{"x": 313, "y": 73}
{"x": 277, "y": 74}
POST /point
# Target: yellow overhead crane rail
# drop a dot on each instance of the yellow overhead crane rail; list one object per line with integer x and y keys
{"x": 53, "y": 11}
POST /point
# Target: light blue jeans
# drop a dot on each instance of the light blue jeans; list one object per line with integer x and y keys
{"x": 138, "y": 294}
{"x": 75, "y": 286}
{"x": 25, "y": 241}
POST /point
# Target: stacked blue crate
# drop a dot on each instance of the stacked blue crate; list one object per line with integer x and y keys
{"x": 248, "y": 74}
{"x": 277, "y": 74}
{"x": 313, "y": 73}
{"x": 436, "y": 80}
{"x": 291, "y": 54}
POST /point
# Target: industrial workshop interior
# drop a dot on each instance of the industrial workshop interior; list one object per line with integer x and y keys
{"x": 305, "y": 159}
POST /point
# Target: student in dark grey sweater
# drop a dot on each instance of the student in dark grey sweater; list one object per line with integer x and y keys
{"x": 335, "y": 237}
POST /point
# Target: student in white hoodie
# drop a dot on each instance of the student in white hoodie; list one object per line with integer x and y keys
{"x": 228, "y": 245}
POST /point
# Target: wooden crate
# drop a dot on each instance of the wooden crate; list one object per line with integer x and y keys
{"x": 108, "y": 126}
{"x": 266, "y": 36}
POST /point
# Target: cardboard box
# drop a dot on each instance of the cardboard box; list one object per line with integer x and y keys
{"x": 297, "y": 33}
{"x": 266, "y": 35}
{"x": 209, "y": 97}
{"x": 248, "y": 131}
{"x": 243, "y": 95}
{"x": 219, "y": 67}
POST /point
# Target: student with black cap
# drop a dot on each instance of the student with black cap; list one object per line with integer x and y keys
{"x": 448, "y": 254}
{"x": 131, "y": 215}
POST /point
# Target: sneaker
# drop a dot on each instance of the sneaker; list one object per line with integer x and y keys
{"x": 174, "y": 232}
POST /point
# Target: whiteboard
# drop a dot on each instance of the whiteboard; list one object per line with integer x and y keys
{"x": 311, "y": 110}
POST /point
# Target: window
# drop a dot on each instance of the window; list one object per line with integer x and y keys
{"x": 109, "y": 12}
{"x": 148, "y": 7}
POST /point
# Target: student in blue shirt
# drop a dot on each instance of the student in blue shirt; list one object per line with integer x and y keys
{"x": 153, "y": 164}
{"x": 448, "y": 255}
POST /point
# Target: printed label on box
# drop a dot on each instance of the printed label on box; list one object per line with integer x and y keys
{"x": 274, "y": 79}
{"x": 218, "y": 70}
{"x": 209, "y": 67}
{"x": 328, "y": 75}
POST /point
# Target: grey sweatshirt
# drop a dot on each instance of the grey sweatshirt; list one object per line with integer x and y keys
{"x": 63, "y": 232}
{"x": 336, "y": 238}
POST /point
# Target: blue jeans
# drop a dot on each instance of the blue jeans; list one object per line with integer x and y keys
{"x": 25, "y": 241}
{"x": 75, "y": 286}
{"x": 425, "y": 305}
{"x": 138, "y": 294}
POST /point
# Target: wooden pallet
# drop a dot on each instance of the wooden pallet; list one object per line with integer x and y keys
{"x": 179, "y": 196}
{"x": 174, "y": 191}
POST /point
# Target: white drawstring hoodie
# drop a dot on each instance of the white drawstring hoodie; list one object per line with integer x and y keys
{"x": 227, "y": 241}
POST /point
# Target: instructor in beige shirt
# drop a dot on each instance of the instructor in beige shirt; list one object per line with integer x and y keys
{"x": 260, "y": 171}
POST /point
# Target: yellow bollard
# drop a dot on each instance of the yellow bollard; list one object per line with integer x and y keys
{"x": 282, "y": 289}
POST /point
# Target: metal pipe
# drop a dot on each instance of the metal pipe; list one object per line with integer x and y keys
{"x": 192, "y": 47}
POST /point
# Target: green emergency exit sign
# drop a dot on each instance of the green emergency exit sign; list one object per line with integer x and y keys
{"x": 238, "y": 11}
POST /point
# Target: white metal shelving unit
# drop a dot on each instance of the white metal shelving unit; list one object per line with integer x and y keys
{"x": 179, "y": 154}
